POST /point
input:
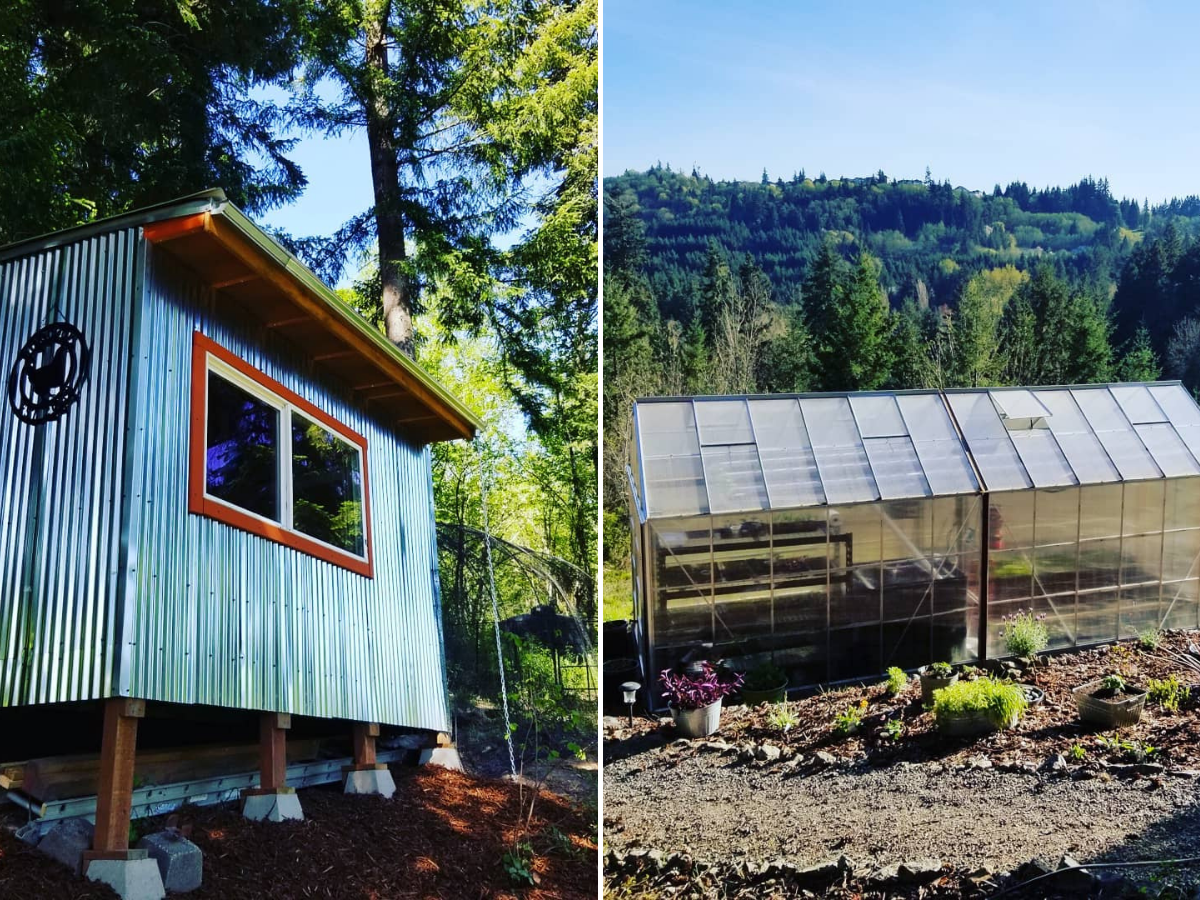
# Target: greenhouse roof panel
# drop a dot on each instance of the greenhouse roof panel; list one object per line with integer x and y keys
{"x": 712, "y": 455}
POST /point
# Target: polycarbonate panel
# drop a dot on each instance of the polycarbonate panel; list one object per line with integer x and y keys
{"x": 1138, "y": 404}
{"x": 897, "y": 471}
{"x": 667, "y": 429}
{"x": 723, "y": 422}
{"x": 841, "y": 460}
{"x": 675, "y": 486}
{"x": 1177, "y": 404}
{"x": 788, "y": 464}
{"x": 989, "y": 441}
{"x": 1122, "y": 443}
{"x": 878, "y": 416}
{"x": 1018, "y": 404}
{"x": 734, "y": 478}
{"x": 1086, "y": 456}
{"x": 1043, "y": 459}
{"x": 937, "y": 444}
{"x": 1168, "y": 449}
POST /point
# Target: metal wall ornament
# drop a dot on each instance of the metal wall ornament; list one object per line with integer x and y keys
{"x": 48, "y": 374}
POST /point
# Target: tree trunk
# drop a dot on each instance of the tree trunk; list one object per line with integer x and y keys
{"x": 385, "y": 180}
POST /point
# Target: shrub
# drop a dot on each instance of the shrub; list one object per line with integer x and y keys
{"x": 781, "y": 718}
{"x": 1000, "y": 701}
{"x": 684, "y": 691}
{"x": 1169, "y": 692}
{"x": 764, "y": 676}
{"x": 896, "y": 680}
{"x": 1024, "y": 633}
{"x": 848, "y": 722}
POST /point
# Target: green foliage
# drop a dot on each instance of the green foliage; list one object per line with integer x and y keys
{"x": 1149, "y": 640}
{"x": 781, "y": 718}
{"x": 1000, "y": 701}
{"x": 764, "y": 676}
{"x": 896, "y": 681}
{"x": 1078, "y": 752}
{"x": 1113, "y": 684}
{"x": 850, "y": 720}
{"x": 518, "y": 864}
{"x": 1024, "y": 633}
{"x": 1127, "y": 750}
{"x": 941, "y": 669}
{"x": 894, "y": 729}
{"x": 1169, "y": 692}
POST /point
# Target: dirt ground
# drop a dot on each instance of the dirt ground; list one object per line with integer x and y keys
{"x": 443, "y": 835}
{"x": 995, "y": 802}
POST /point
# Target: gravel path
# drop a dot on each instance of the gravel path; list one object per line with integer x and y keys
{"x": 717, "y": 808}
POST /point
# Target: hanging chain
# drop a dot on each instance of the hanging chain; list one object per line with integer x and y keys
{"x": 487, "y": 543}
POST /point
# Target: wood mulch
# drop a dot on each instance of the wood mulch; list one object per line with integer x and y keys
{"x": 1051, "y": 727}
{"x": 443, "y": 835}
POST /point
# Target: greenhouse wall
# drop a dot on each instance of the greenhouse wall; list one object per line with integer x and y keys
{"x": 756, "y": 535}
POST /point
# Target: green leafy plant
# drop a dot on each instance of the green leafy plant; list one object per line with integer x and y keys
{"x": 941, "y": 669}
{"x": 1078, "y": 752}
{"x": 781, "y": 718}
{"x": 1169, "y": 692}
{"x": 848, "y": 722}
{"x": 1001, "y": 701}
{"x": 518, "y": 864}
{"x": 1129, "y": 751}
{"x": 894, "y": 729}
{"x": 1112, "y": 684}
{"x": 1150, "y": 639}
{"x": 764, "y": 676}
{"x": 897, "y": 680}
{"x": 1024, "y": 633}
{"x": 561, "y": 843}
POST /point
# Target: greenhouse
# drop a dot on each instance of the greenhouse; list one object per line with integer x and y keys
{"x": 840, "y": 534}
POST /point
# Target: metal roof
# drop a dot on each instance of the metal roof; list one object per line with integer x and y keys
{"x": 218, "y": 241}
{"x": 715, "y": 455}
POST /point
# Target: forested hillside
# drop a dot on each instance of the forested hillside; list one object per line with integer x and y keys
{"x": 856, "y": 284}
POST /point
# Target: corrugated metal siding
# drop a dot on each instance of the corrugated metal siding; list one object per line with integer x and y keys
{"x": 61, "y": 482}
{"x": 218, "y": 616}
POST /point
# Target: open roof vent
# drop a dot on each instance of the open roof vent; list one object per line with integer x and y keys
{"x": 1020, "y": 410}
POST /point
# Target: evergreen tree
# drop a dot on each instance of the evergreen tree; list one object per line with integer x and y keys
{"x": 910, "y": 368}
{"x": 717, "y": 291}
{"x": 855, "y": 353}
{"x": 1020, "y": 339}
{"x": 694, "y": 360}
{"x": 1139, "y": 362}
{"x": 788, "y": 360}
{"x": 1091, "y": 347}
{"x": 978, "y": 359}
{"x": 822, "y": 290}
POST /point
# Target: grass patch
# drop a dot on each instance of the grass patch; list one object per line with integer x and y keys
{"x": 618, "y": 593}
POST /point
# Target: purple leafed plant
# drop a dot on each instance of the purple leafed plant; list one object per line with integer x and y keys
{"x": 684, "y": 692}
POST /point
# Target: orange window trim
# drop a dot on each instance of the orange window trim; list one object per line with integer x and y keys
{"x": 201, "y": 504}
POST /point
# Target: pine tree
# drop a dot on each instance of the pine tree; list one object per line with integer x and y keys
{"x": 1139, "y": 362}
{"x": 822, "y": 290}
{"x": 910, "y": 368}
{"x": 855, "y": 354}
{"x": 1091, "y": 347}
{"x": 788, "y": 360}
{"x": 716, "y": 291}
{"x": 694, "y": 360}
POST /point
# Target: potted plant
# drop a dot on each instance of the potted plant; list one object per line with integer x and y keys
{"x": 1109, "y": 702}
{"x": 978, "y": 707}
{"x": 934, "y": 677}
{"x": 765, "y": 683}
{"x": 695, "y": 699}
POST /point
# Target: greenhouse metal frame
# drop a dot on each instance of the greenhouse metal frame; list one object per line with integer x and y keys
{"x": 840, "y": 534}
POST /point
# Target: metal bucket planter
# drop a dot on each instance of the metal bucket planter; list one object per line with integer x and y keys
{"x": 970, "y": 724}
{"x": 697, "y": 723}
{"x": 753, "y": 697}
{"x": 931, "y": 683}
{"x": 1115, "y": 713}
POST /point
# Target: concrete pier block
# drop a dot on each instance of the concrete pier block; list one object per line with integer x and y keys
{"x": 371, "y": 781}
{"x": 446, "y": 757}
{"x": 67, "y": 841}
{"x": 273, "y": 806}
{"x": 134, "y": 878}
{"x": 180, "y": 862}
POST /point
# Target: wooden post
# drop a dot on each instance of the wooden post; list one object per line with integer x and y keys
{"x": 365, "y": 734}
{"x": 272, "y": 732}
{"x": 115, "y": 798}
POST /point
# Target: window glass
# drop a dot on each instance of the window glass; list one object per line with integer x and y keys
{"x": 326, "y": 487}
{"x": 242, "y": 451}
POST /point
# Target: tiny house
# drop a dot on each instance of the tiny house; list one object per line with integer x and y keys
{"x": 841, "y": 534}
{"x": 216, "y": 482}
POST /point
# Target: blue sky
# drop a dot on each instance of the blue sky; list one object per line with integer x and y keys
{"x": 1044, "y": 92}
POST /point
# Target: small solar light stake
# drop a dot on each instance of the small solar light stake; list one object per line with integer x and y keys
{"x": 631, "y": 688}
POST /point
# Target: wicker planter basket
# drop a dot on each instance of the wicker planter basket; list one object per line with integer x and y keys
{"x": 697, "y": 723}
{"x": 1126, "y": 710}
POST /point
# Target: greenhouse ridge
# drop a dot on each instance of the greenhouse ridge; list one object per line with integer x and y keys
{"x": 840, "y": 534}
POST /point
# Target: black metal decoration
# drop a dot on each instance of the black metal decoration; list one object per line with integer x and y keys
{"x": 48, "y": 373}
